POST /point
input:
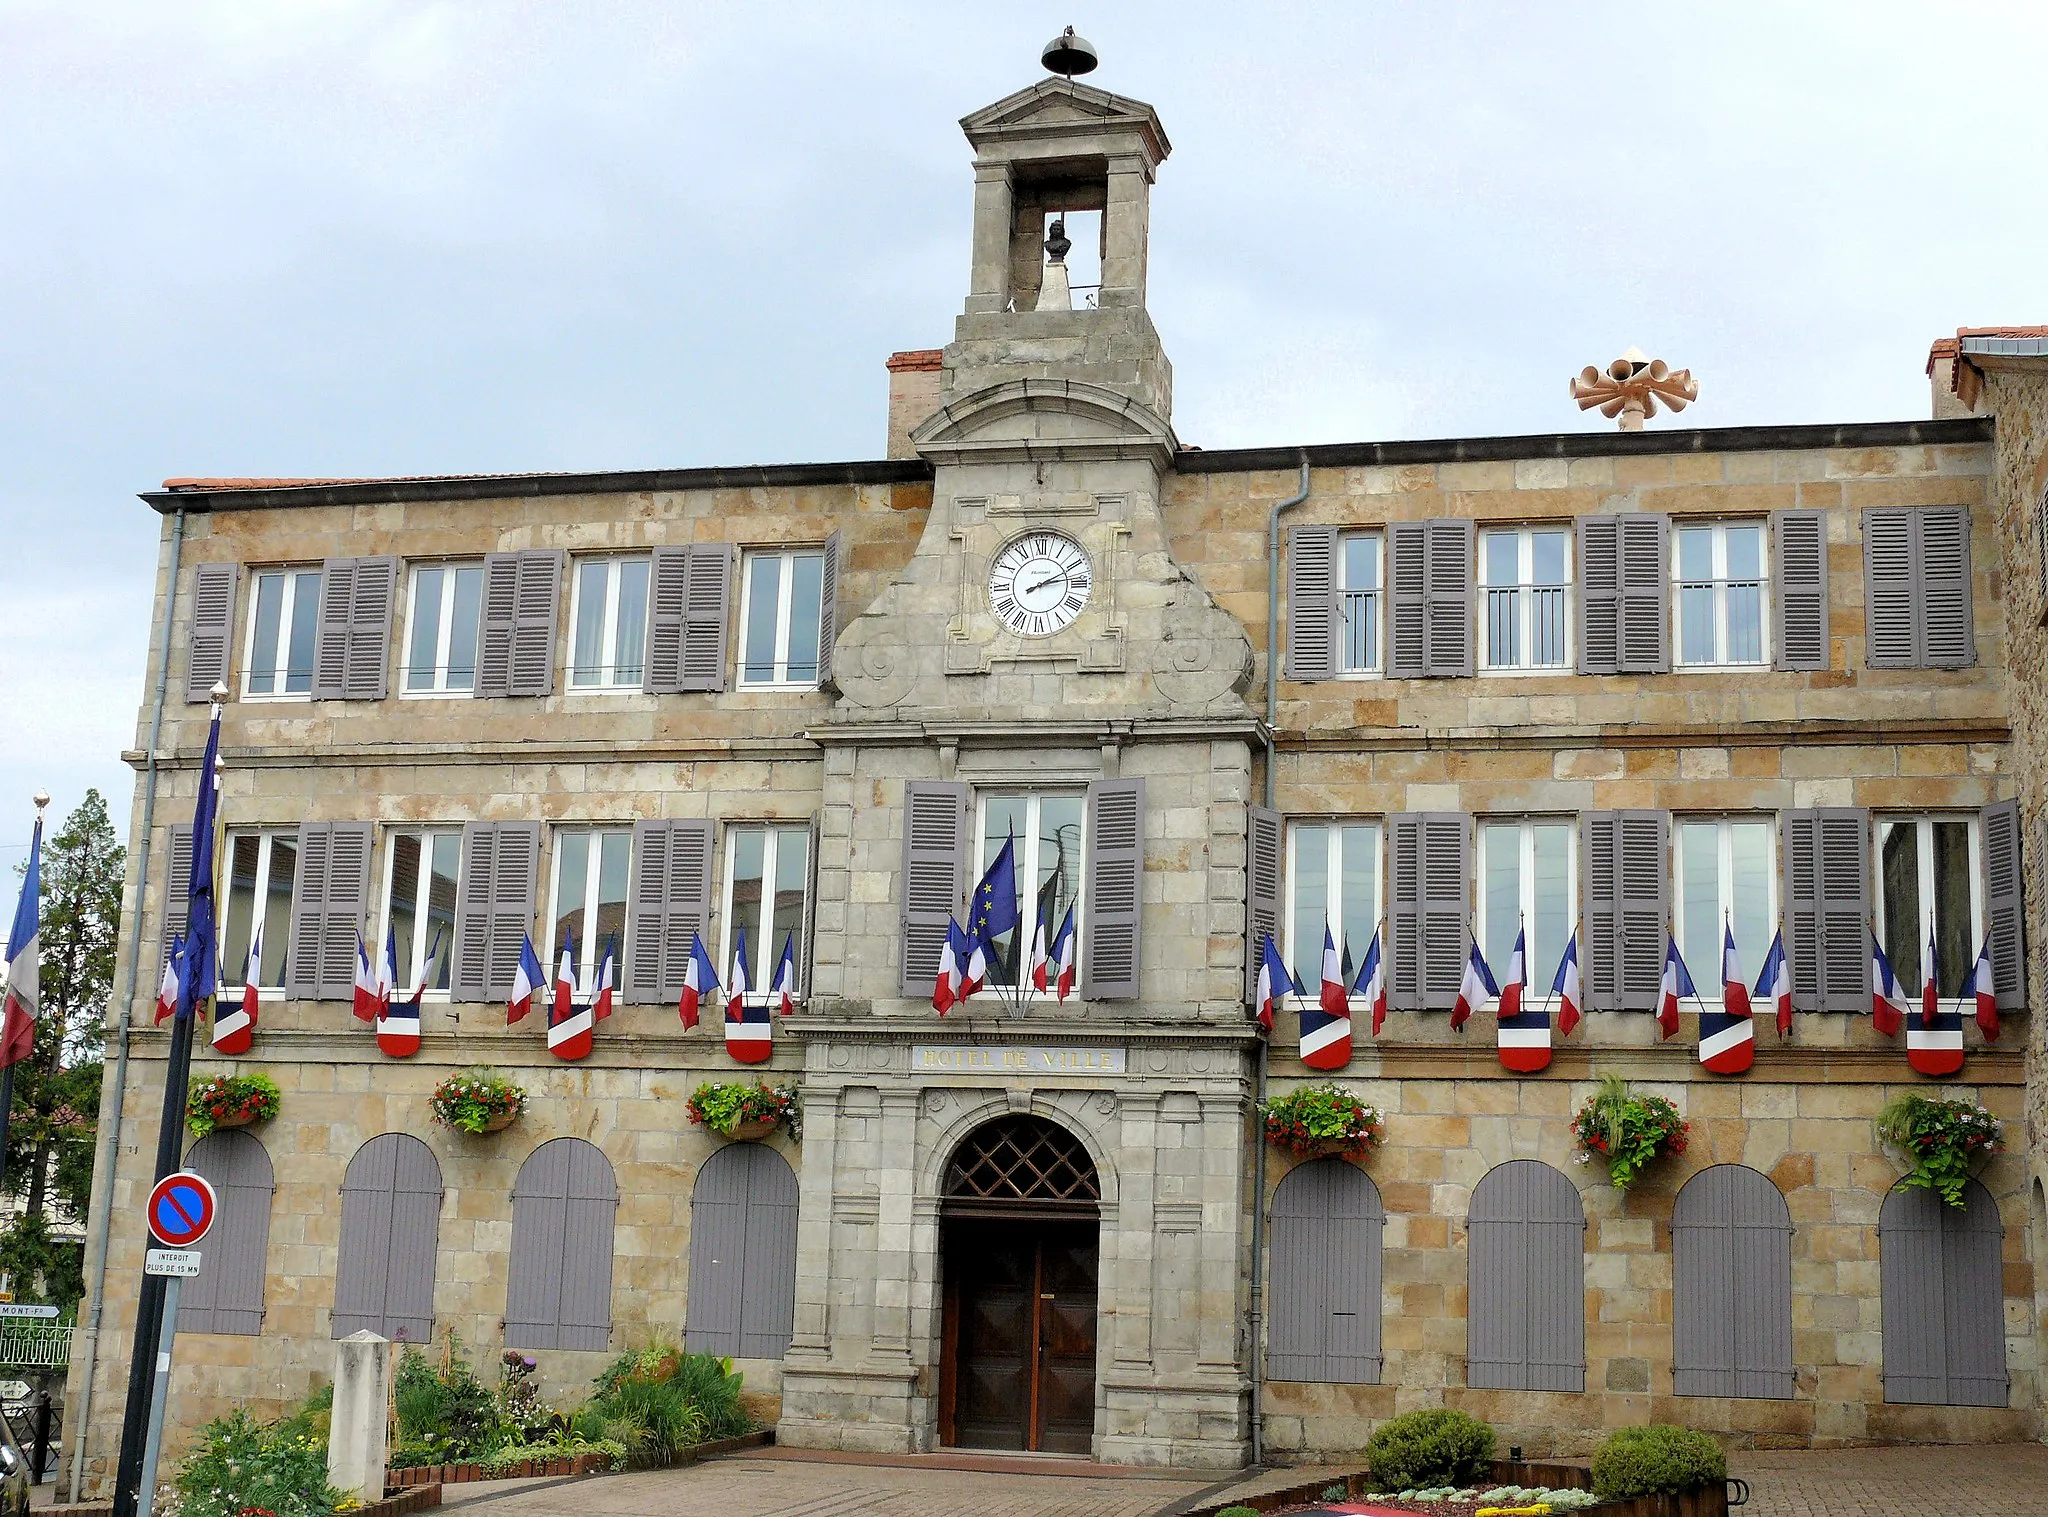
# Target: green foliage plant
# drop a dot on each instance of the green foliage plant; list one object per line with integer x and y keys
{"x": 1940, "y": 1139}
{"x": 238, "y": 1463}
{"x": 1627, "y": 1132}
{"x": 446, "y": 1415}
{"x": 1656, "y": 1461}
{"x": 1321, "y": 1119}
{"x": 1429, "y": 1448}
{"x": 659, "y": 1400}
{"x": 511, "y": 1457}
{"x": 722, "y": 1107}
{"x": 475, "y": 1100}
{"x": 1239, "y": 1511}
{"x": 225, "y": 1100}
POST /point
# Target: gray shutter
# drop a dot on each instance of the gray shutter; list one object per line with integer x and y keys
{"x": 1429, "y": 857}
{"x": 741, "y": 1292}
{"x": 669, "y": 901}
{"x": 768, "y": 1294}
{"x": 352, "y": 655}
{"x": 1312, "y": 603}
{"x": 1599, "y": 594}
{"x": 1827, "y": 893}
{"x": 2003, "y": 914}
{"x": 1408, "y": 605}
{"x": 1526, "y": 1281}
{"x": 227, "y": 1294}
{"x": 807, "y": 960}
{"x": 828, "y": 609}
{"x": 177, "y": 892}
{"x": 330, "y": 646}
{"x": 1265, "y": 873}
{"x": 309, "y": 914}
{"x": 390, "y": 1236}
{"x": 1731, "y": 1246}
{"x": 1449, "y": 592}
{"x": 558, "y": 1286}
{"x": 668, "y": 592}
{"x": 1404, "y": 912}
{"x": 1890, "y": 597}
{"x": 706, "y": 611}
{"x": 495, "y": 619}
{"x": 212, "y": 629}
{"x": 1942, "y": 553}
{"x": 1627, "y": 906}
{"x": 1944, "y": 1299}
{"x": 1645, "y": 591}
{"x": 535, "y": 607}
{"x": 493, "y": 906}
{"x": 330, "y": 895}
{"x": 1114, "y": 905}
{"x": 1325, "y": 1276}
{"x": 1799, "y": 598}
{"x": 934, "y": 875}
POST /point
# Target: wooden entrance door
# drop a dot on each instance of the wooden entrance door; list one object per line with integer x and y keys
{"x": 1019, "y": 1365}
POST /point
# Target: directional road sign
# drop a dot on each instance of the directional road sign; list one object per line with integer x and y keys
{"x": 181, "y": 1209}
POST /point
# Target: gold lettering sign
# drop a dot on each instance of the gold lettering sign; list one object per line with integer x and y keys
{"x": 960, "y": 1059}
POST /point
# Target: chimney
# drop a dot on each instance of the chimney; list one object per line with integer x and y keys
{"x": 1954, "y": 383}
{"x": 913, "y": 395}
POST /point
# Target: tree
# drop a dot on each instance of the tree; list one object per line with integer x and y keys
{"x": 57, "y": 1088}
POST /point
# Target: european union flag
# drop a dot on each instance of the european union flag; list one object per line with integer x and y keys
{"x": 993, "y": 909}
{"x": 200, "y": 972}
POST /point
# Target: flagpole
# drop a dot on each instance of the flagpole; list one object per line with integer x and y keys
{"x": 31, "y": 881}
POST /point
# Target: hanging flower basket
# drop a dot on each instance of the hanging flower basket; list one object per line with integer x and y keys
{"x": 477, "y": 1100}
{"x": 1320, "y": 1120}
{"x": 1627, "y": 1132}
{"x": 745, "y": 1113}
{"x": 231, "y": 1101}
{"x": 1940, "y": 1140}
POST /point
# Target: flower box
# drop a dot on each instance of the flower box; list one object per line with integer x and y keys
{"x": 745, "y": 1113}
{"x": 231, "y": 1101}
{"x": 1318, "y": 1121}
{"x": 752, "y": 1131}
{"x": 1627, "y": 1132}
{"x": 476, "y": 1101}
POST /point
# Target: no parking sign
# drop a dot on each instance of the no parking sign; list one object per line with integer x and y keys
{"x": 181, "y": 1209}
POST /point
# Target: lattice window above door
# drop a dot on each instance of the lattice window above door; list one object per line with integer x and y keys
{"x": 1021, "y": 1163}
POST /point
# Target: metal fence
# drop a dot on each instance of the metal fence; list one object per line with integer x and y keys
{"x": 35, "y": 1347}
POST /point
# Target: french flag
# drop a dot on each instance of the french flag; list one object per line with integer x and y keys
{"x": 1274, "y": 981}
{"x": 1566, "y": 987}
{"x": 1326, "y": 1026}
{"x": 1475, "y": 990}
{"x": 1523, "y": 1032}
{"x": 1934, "y": 1044}
{"x": 601, "y": 992}
{"x": 1039, "y": 963}
{"x": 234, "y": 1027}
{"x": 1774, "y": 984}
{"x": 167, "y": 991}
{"x": 1063, "y": 957}
{"x": 23, "y": 992}
{"x": 398, "y": 1029}
{"x": 527, "y": 981}
{"x": 1677, "y": 985}
{"x": 1371, "y": 984}
{"x": 1728, "y": 1036}
{"x": 569, "y": 1025}
{"x": 749, "y": 1030}
{"x": 784, "y": 988}
{"x": 1984, "y": 992}
{"x": 1887, "y": 996}
{"x": 699, "y": 976}
{"x": 946, "y": 987}
{"x": 367, "y": 1001}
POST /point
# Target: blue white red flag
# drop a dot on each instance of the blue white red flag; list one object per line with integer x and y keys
{"x": 1039, "y": 961}
{"x": 784, "y": 987}
{"x": 234, "y": 1026}
{"x": 527, "y": 981}
{"x": 1984, "y": 991}
{"x": 1887, "y": 996}
{"x": 1476, "y": 991}
{"x": 569, "y": 1025}
{"x": 1523, "y": 1034}
{"x": 167, "y": 990}
{"x": 1326, "y": 1023}
{"x": 946, "y": 983}
{"x": 1774, "y": 984}
{"x": 398, "y": 1022}
{"x": 1371, "y": 984}
{"x": 1063, "y": 957}
{"x": 1934, "y": 1042}
{"x": 601, "y": 992}
{"x": 1566, "y": 987}
{"x": 24, "y": 956}
{"x": 699, "y": 976}
{"x": 1274, "y": 981}
{"x": 1676, "y": 986}
{"x": 1728, "y": 1036}
{"x": 749, "y": 1030}
{"x": 366, "y": 1003}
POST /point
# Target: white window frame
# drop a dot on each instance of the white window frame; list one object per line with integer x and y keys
{"x": 422, "y": 939}
{"x": 763, "y": 960}
{"x": 1539, "y": 993}
{"x": 1333, "y": 890}
{"x": 1027, "y": 863}
{"x": 609, "y": 683}
{"x": 1707, "y": 977}
{"x": 290, "y": 574}
{"x": 785, "y": 584}
{"x": 1526, "y": 594}
{"x": 1720, "y": 584}
{"x": 231, "y": 974}
{"x": 587, "y": 956}
{"x": 1378, "y": 668}
{"x": 1923, "y": 823}
{"x": 445, "y": 630}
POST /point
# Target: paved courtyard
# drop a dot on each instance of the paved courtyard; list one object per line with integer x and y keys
{"x": 2006, "y": 1480}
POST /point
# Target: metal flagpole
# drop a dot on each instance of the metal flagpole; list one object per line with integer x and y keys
{"x": 160, "y": 1395}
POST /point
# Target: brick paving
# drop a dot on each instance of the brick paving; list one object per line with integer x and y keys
{"x": 1975, "y": 1480}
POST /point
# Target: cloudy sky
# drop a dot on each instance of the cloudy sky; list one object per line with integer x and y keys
{"x": 358, "y": 237}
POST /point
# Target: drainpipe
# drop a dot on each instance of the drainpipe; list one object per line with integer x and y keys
{"x": 1258, "y": 1156}
{"x": 109, "y": 1146}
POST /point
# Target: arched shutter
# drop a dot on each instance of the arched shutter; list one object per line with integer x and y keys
{"x": 1526, "y": 1281}
{"x": 558, "y": 1293}
{"x": 1324, "y": 1291}
{"x": 227, "y": 1294}
{"x": 742, "y": 1286}
{"x": 1731, "y": 1246}
{"x": 390, "y": 1236}
{"x": 1943, "y": 1287}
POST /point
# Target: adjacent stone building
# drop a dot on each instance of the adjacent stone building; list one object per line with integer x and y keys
{"x": 1699, "y": 680}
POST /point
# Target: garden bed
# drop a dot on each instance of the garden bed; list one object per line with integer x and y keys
{"x": 567, "y": 1467}
{"x": 1308, "y": 1497}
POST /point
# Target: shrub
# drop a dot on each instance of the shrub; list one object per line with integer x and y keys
{"x": 1431, "y": 1448}
{"x": 724, "y": 1106}
{"x": 231, "y": 1098}
{"x": 1627, "y": 1131}
{"x": 238, "y": 1463}
{"x": 1940, "y": 1139}
{"x": 1239, "y": 1511}
{"x": 1657, "y": 1460}
{"x": 474, "y": 1099}
{"x": 446, "y": 1414}
{"x": 1324, "y": 1118}
{"x": 658, "y": 1399}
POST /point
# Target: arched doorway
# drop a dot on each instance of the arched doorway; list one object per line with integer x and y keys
{"x": 1020, "y": 1247}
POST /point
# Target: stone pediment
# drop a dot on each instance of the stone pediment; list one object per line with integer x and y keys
{"x": 1030, "y": 419}
{"x": 1062, "y": 108}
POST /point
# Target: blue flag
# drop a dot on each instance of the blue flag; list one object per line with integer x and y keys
{"x": 993, "y": 909}
{"x": 200, "y": 972}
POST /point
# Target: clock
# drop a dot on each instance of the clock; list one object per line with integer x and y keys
{"x": 1039, "y": 583}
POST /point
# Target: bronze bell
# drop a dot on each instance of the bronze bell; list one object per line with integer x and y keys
{"x": 1069, "y": 55}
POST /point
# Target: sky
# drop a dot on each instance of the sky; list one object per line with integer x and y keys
{"x": 366, "y": 237}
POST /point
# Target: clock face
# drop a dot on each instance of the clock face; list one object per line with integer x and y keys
{"x": 1039, "y": 583}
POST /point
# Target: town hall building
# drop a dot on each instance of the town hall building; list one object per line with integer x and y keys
{"x": 1643, "y": 684}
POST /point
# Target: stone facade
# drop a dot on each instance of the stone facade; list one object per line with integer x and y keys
{"x": 1060, "y": 422}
